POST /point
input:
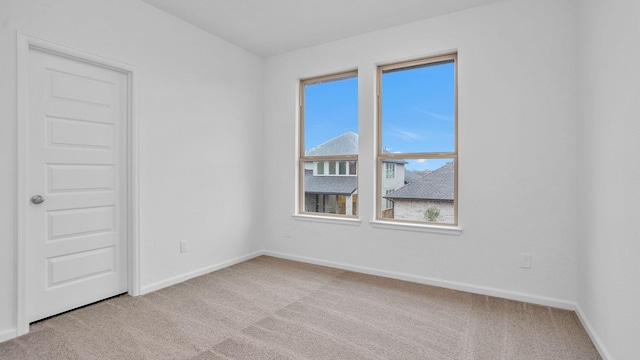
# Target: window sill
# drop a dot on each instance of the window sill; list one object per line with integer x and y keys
{"x": 435, "y": 229}
{"x": 328, "y": 219}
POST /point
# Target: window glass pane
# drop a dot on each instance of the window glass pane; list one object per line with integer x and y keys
{"x": 332, "y": 167}
{"x": 423, "y": 190}
{"x": 418, "y": 109}
{"x": 352, "y": 168}
{"x": 331, "y": 117}
{"x": 329, "y": 135}
{"x": 342, "y": 168}
{"x": 335, "y": 194}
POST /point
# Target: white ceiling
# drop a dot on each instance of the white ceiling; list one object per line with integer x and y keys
{"x": 271, "y": 27}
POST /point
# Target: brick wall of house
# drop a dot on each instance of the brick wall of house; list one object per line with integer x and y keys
{"x": 414, "y": 210}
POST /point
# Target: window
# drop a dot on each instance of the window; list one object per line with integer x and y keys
{"x": 332, "y": 167}
{"x": 345, "y": 168}
{"x": 390, "y": 170}
{"x": 329, "y": 145}
{"x": 417, "y": 141}
{"x": 352, "y": 168}
{"x": 342, "y": 169}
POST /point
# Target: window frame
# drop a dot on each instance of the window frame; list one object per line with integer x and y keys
{"x": 302, "y": 158}
{"x": 382, "y": 156}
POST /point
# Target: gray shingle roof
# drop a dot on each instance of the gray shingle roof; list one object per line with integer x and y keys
{"x": 342, "y": 185}
{"x": 345, "y": 144}
{"x": 437, "y": 185}
{"x": 411, "y": 176}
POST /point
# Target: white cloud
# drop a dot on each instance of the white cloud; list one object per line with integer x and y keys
{"x": 408, "y": 135}
{"x": 436, "y": 116}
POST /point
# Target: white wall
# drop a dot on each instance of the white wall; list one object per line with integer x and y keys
{"x": 517, "y": 144}
{"x": 523, "y": 124}
{"x": 609, "y": 173}
{"x": 200, "y": 102}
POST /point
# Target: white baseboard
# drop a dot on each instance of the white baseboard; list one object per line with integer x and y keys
{"x": 8, "y": 335}
{"x": 597, "y": 342}
{"x": 190, "y": 275}
{"x": 482, "y": 290}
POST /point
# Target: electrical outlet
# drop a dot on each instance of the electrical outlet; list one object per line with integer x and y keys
{"x": 183, "y": 246}
{"x": 525, "y": 261}
{"x": 287, "y": 231}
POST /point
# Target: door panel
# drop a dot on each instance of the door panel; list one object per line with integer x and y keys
{"x": 76, "y": 87}
{"x": 73, "y": 222}
{"x": 76, "y": 159}
{"x": 80, "y": 178}
{"x": 80, "y": 133}
{"x": 80, "y": 266}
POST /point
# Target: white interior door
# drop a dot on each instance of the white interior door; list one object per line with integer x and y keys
{"x": 76, "y": 244}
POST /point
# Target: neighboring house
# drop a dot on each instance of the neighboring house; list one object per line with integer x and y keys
{"x": 330, "y": 194}
{"x": 435, "y": 189}
{"x": 393, "y": 178}
{"x": 332, "y": 186}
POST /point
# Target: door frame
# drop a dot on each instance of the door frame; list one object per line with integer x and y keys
{"x": 25, "y": 44}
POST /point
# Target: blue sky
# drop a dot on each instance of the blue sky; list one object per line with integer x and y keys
{"x": 417, "y": 111}
{"x": 331, "y": 109}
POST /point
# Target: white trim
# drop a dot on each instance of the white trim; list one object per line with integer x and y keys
{"x": 597, "y": 342}
{"x": 481, "y": 290}
{"x": 8, "y": 335}
{"x": 133, "y": 187}
{"x": 328, "y": 219}
{"x": 192, "y": 274}
{"x": 22, "y": 325}
{"x": 24, "y": 44}
{"x": 437, "y": 229}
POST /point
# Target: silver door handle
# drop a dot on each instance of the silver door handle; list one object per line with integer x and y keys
{"x": 37, "y": 199}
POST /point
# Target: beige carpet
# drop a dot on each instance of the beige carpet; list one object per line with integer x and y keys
{"x": 269, "y": 308}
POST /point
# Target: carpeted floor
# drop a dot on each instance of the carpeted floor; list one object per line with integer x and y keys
{"x": 268, "y": 308}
